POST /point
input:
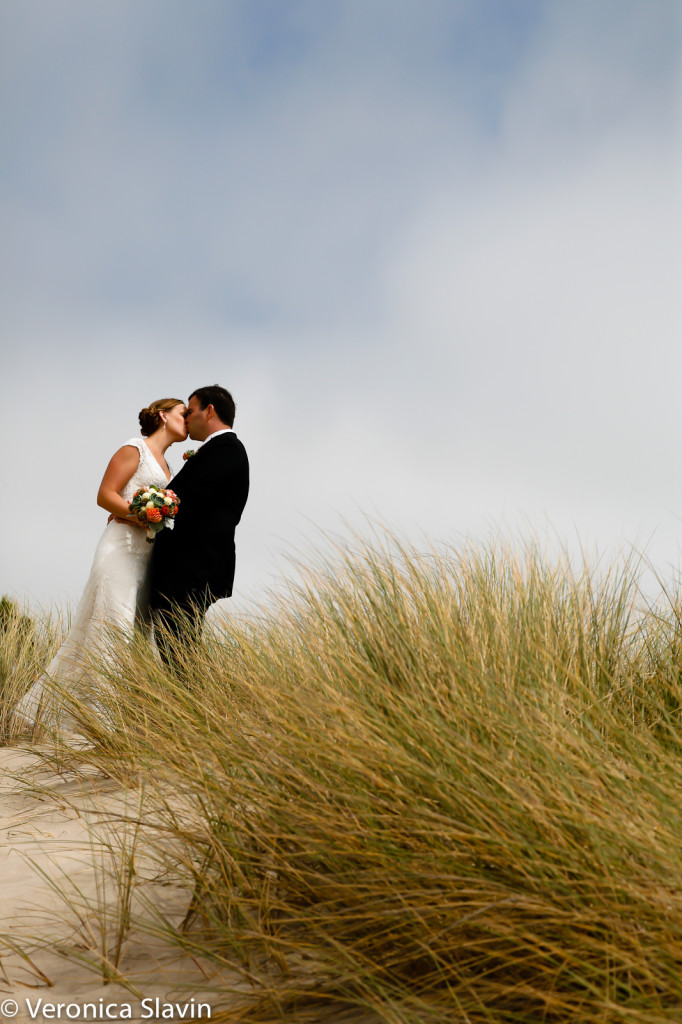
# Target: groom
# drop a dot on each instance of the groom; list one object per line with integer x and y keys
{"x": 193, "y": 564}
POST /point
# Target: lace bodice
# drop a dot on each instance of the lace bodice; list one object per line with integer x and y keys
{"x": 148, "y": 472}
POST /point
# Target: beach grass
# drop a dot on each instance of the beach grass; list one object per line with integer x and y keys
{"x": 426, "y": 786}
{"x": 27, "y": 644}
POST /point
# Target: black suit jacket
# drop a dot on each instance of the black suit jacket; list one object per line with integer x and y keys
{"x": 198, "y": 553}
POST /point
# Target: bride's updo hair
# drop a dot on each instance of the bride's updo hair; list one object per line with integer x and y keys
{"x": 150, "y": 418}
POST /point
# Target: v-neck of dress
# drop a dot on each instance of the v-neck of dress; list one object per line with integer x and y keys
{"x": 170, "y": 476}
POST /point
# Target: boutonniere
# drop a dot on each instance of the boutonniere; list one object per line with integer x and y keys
{"x": 188, "y": 454}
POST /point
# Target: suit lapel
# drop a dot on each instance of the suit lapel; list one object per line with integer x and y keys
{"x": 228, "y": 438}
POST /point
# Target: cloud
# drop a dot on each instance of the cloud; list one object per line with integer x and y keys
{"x": 182, "y": 158}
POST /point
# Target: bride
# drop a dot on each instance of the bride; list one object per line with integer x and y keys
{"x": 117, "y": 590}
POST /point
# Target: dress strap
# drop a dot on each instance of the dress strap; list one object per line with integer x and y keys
{"x": 136, "y": 442}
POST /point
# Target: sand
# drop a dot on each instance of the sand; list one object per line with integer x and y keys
{"x": 61, "y": 908}
{"x": 56, "y": 893}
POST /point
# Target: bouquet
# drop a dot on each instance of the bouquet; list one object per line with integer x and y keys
{"x": 155, "y": 507}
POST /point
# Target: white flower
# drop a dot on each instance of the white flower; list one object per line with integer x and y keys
{"x": 150, "y": 504}
{"x": 168, "y": 501}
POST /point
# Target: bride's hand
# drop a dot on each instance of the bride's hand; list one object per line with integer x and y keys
{"x": 132, "y": 521}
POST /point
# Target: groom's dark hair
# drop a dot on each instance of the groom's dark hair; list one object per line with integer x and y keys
{"x": 220, "y": 399}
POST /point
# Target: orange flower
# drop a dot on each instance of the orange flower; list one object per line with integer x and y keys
{"x": 153, "y": 515}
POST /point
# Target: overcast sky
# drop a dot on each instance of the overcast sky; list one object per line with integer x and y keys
{"x": 432, "y": 247}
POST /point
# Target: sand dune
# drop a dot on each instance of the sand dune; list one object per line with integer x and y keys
{"x": 50, "y": 827}
{"x": 58, "y": 903}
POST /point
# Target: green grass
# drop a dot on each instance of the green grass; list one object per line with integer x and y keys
{"x": 27, "y": 645}
{"x": 437, "y": 786}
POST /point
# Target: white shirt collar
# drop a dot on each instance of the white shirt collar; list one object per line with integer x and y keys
{"x": 216, "y": 433}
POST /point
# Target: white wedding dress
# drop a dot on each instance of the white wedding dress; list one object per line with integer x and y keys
{"x": 117, "y": 593}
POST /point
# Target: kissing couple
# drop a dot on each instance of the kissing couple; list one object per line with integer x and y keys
{"x": 171, "y": 582}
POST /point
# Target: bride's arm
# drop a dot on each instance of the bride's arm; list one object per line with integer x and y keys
{"x": 116, "y": 476}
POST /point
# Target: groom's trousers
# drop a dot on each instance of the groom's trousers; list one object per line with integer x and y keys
{"x": 178, "y": 622}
